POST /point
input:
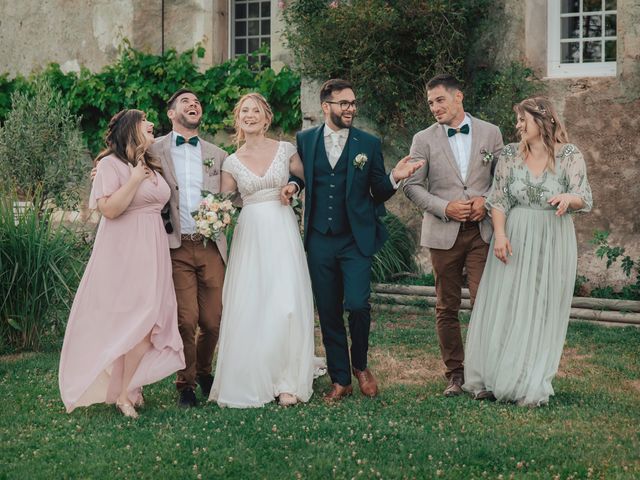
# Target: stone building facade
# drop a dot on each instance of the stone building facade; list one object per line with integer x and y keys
{"x": 587, "y": 52}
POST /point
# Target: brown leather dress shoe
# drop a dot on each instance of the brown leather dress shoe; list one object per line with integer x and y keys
{"x": 454, "y": 388}
{"x": 368, "y": 383}
{"x": 338, "y": 392}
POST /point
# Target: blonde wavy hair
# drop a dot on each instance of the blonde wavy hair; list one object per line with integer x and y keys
{"x": 546, "y": 118}
{"x": 126, "y": 139}
{"x": 264, "y": 108}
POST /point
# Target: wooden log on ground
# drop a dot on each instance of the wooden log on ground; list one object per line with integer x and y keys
{"x": 575, "y": 316}
{"x": 577, "y": 302}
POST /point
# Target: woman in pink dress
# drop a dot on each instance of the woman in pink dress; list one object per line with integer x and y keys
{"x": 122, "y": 331}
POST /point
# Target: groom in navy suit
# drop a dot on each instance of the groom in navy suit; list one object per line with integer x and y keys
{"x": 346, "y": 186}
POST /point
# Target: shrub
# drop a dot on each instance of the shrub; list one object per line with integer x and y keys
{"x": 628, "y": 265}
{"x": 397, "y": 254}
{"x": 40, "y": 267}
{"x": 41, "y": 148}
{"x": 389, "y": 50}
{"x": 146, "y": 81}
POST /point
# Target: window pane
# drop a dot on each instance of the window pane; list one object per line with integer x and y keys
{"x": 266, "y": 9}
{"x": 570, "y": 52}
{"x": 266, "y": 41}
{"x": 254, "y": 27}
{"x": 592, "y": 26}
{"x": 610, "y": 4}
{"x": 254, "y": 10}
{"x": 266, "y": 27}
{"x": 241, "y": 29}
{"x": 592, "y": 52}
{"x": 591, "y": 5}
{"x": 241, "y": 10}
{"x": 570, "y": 6}
{"x": 610, "y": 25}
{"x": 610, "y": 51}
{"x": 254, "y": 44}
{"x": 241, "y": 46}
{"x": 570, "y": 27}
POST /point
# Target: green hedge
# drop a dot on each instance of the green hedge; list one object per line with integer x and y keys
{"x": 145, "y": 81}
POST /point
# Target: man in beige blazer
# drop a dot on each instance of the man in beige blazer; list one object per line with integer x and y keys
{"x": 460, "y": 153}
{"x": 191, "y": 165}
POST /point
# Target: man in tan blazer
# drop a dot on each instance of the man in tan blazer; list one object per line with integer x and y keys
{"x": 191, "y": 165}
{"x": 460, "y": 153}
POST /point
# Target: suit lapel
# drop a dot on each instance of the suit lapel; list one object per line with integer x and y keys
{"x": 474, "y": 156}
{"x": 309, "y": 163}
{"x": 446, "y": 147}
{"x": 205, "y": 152}
{"x": 167, "y": 162}
{"x": 353, "y": 148}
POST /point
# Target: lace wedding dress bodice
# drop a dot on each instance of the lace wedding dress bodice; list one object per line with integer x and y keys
{"x": 254, "y": 188}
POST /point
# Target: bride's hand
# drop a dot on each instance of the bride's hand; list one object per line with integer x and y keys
{"x": 287, "y": 193}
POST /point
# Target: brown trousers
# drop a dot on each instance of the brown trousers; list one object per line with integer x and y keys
{"x": 198, "y": 272}
{"x": 468, "y": 251}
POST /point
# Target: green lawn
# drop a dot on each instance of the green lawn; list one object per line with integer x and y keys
{"x": 589, "y": 430}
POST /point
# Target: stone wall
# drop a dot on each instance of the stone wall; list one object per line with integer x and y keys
{"x": 75, "y": 33}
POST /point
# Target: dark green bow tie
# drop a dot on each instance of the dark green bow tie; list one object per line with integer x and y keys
{"x": 463, "y": 129}
{"x": 180, "y": 140}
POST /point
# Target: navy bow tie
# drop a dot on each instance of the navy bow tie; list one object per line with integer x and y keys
{"x": 463, "y": 129}
{"x": 192, "y": 141}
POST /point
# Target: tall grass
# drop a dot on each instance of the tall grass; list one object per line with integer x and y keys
{"x": 397, "y": 254}
{"x": 40, "y": 267}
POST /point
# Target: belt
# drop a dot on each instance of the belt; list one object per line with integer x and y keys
{"x": 468, "y": 225}
{"x": 192, "y": 237}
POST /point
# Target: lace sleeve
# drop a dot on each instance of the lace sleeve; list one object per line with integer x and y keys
{"x": 229, "y": 165}
{"x": 289, "y": 150}
{"x": 576, "y": 177}
{"x": 500, "y": 196}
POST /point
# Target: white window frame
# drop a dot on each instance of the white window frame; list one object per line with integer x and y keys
{"x": 232, "y": 28}
{"x": 556, "y": 69}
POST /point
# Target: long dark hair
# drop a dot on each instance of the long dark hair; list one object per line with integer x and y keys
{"x": 126, "y": 140}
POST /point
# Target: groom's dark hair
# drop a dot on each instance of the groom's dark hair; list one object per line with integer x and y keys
{"x": 172, "y": 100}
{"x": 447, "y": 81}
{"x": 333, "y": 85}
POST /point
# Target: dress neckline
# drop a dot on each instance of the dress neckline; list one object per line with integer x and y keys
{"x": 273, "y": 160}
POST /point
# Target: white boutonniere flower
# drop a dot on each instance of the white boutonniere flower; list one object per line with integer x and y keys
{"x": 360, "y": 161}
{"x": 487, "y": 157}
{"x": 208, "y": 162}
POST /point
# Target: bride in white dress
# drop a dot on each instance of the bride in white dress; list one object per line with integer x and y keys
{"x": 266, "y": 346}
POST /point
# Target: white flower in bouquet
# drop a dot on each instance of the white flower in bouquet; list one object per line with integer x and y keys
{"x": 214, "y": 215}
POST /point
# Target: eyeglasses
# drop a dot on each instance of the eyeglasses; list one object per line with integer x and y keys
{"x": 344, "y": 105}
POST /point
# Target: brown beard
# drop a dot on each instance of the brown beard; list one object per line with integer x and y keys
{"x": 183, "y": 120}
{"x": 337, "y": 120}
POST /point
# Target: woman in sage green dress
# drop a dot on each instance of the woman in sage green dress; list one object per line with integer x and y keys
{"x": 519, "y": 321}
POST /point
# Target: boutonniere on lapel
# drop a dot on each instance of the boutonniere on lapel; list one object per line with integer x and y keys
{"x": 209, "y": 163}
{"x": 487, "y": 157}
{"x": 360, "y": 161}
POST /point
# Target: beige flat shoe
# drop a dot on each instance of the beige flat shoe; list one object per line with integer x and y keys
{"x": 127, "y": 410}
{"x": 286, "y": 400}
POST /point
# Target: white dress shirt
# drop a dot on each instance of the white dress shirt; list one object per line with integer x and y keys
{"x": 187, "y": 163}
{"x": 334, "y": 142}
{"x": 461, "y": 146}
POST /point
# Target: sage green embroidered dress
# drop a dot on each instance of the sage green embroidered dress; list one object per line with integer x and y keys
{"x": 521, "y": 312}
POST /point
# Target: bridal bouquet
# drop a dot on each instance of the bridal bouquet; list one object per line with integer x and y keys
{"x": 214, "y": 215}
